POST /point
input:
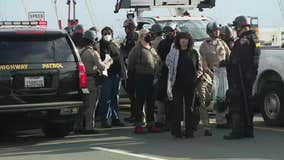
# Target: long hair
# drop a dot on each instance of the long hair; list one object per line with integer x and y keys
{"x": 183, "y": 35}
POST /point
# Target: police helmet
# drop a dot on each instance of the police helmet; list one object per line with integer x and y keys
{"x": 211, "y": 26}
{"x": 241, "y": 21}
{"x": 79, "y": 29}
{"x": 156, "y": 28}
{"x": 170, "y": 27}
{"x": 90, "y": 35}
{"x": 226, "y": 32}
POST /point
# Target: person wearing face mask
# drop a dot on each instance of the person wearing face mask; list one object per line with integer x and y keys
{"x": 109, "y": 107}
{"x": 145, "y": 63}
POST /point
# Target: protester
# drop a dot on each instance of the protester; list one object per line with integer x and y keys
{"x": 109, "y": 101}
{"x": 144, "y": 63}
{"x": 183, "y": 63}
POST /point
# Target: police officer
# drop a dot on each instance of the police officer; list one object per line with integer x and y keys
{"x": 156, "y": 31}
{"x": 212, "y": 52}
{"x": 227, "y": 35}
{"x": 126, "y": 46}
{"x": 93, "y": 64}
{"x": 242, "y": 67}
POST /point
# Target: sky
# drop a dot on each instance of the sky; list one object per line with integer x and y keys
{"x": 225, "y": 11}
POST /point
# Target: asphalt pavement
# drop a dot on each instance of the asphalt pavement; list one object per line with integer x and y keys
{"x": 122, "y": 144}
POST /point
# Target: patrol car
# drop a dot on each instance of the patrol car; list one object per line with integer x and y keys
{"x": 42, "y": 79}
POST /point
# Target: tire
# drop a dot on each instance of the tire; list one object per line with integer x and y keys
{"x": 272, "y": 104}
{"x": 56, "y": 130}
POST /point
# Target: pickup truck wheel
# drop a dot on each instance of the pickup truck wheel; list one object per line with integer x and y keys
{"x": 272, "y": 104}
{"x": 56, "y": 130}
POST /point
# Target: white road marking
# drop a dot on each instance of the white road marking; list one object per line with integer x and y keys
{"x": 127, "y": 153}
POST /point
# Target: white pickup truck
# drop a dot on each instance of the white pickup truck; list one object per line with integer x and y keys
{"x": 269, "y": 86}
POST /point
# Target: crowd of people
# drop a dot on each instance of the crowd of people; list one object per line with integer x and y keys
{"x": 165, "y": 76}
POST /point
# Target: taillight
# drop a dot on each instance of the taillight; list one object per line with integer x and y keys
{"x": 82, "y": 75}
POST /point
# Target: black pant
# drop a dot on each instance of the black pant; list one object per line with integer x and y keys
{"x": 242, "y": 114}
{"x": 145, "y": 92}
{"x": 182, "y": 98}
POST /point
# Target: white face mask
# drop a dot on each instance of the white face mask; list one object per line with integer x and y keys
{"x": 107, "y": 38}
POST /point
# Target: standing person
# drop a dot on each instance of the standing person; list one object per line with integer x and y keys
{"x": 242, "y": 67}
{"x": 183, "y": 63}
{"x": 126, "y": 46}
{"x": 164, "y": 47}
{"x": 145, "y": 63}
{"x": 212, "y": 52}
{"x": 93, "y": 64}
{"x": 77, "y": 36}
{"x": 156, "y": 31}
{"x": 109, "y": 101}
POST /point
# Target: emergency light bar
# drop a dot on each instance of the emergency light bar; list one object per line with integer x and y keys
{"x": 23, "y": 23}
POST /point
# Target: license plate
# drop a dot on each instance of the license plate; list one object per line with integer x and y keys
{"x": 34, "y": 82}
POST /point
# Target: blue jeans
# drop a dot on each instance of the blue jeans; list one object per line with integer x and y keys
{"x": 109, "y": 99}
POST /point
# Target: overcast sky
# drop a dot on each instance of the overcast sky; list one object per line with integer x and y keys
{"x": 102, "y": 11}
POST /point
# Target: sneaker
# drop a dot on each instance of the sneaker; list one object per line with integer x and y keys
{"x": 153, "y": 129}
{"x": 139, "y": 130}
{"x": 105, "y": 124}
{"x": 207, "y": 132}
{"x": 117, "y": 123}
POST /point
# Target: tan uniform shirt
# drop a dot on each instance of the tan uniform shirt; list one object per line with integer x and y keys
{"x": 212, "y": 52}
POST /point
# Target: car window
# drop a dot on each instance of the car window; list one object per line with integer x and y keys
{"x": 34, "y": 50}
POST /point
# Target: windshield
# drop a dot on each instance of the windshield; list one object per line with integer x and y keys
{"x": 197, "y": 28}
{"x": 34, "y": 49}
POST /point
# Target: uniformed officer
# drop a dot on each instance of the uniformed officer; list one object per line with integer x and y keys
{"x": 242, "y": 67}
{"x": 213, "y": 51}
{"x": 93, "y": 64}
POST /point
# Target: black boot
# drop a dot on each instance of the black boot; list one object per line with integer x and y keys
{"x": 232, "y": 136}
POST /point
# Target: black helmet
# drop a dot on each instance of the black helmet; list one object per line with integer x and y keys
{"x": 211, "y": 26}
{"x": 226, "y": 32}
{"x": 241, "y": 21}
{"x": 170, "y": 27}
{"x": 156, "y": 28}
{"x": 90, "y": 35}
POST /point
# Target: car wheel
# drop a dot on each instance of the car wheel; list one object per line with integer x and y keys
{"x": 272, "y": 104}
{"x": 56, "y": 130}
